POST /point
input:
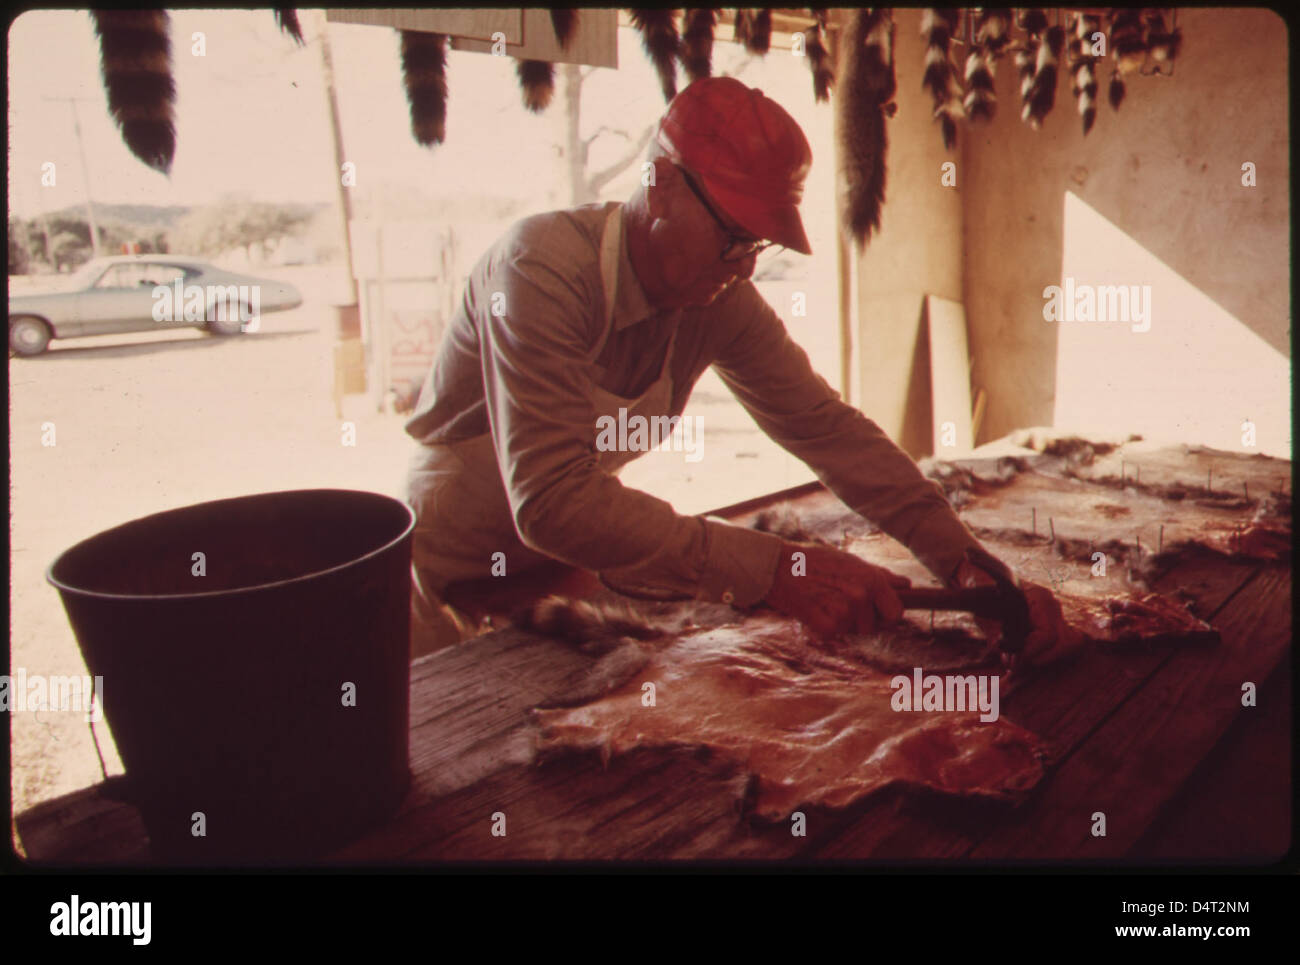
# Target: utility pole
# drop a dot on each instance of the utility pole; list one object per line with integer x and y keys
{"x": 85, "y": 172}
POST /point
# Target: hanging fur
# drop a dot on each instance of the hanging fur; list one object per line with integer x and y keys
{"x": 659, "y": 37}
{"x": 740, "y": 28}
{"x": 937, "y": 27}
{"x": 288, "y": 22}
{"x": 424, "y": 73}
{"x": 1162, "y": 44}
{"x": 1083, "y": 67}
{"x": 1127, "y": 43}
{"x": 135, "y": 60}
{"x": 565, "y": 22}
{"x": 866, "y": 94}
{"x": 1033, "y": 23}
{"x": 697, "y": 42}
{"x": 993, "y": 30}
{"x": 1042, "y": 90}
{"x": 819, "y": 61}
{"x": 1115, "y": 92}
{"x": 537, "y": 82}
{"x": 981, "y": 100}
{"x": 760, "y": 33}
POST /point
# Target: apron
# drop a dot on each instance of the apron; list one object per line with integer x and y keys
{"x": 462, "y": 511}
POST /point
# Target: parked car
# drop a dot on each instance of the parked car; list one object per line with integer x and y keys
{"x": 142, "y": 293}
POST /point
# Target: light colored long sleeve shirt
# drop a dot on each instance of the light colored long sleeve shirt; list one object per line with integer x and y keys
{"x": 525, "y": 376}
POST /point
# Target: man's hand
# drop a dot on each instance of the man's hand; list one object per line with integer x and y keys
{"x": 1050, "y": 637}
{"x": 836, "y": 592}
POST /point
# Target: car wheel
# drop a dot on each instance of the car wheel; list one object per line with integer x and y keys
{"x": 220, "y": 321}
{"x": 28, "y": 336}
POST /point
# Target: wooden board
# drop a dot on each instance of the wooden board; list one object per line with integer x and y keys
{"x": 949, "y": 377}
{"x": 482, "y": 23}
{"x": 594, "y": 41}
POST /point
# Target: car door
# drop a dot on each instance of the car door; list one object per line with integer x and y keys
{"x": 122, "y": 300}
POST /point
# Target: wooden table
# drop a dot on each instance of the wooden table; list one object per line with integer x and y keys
{"x": 1156, "y": 740}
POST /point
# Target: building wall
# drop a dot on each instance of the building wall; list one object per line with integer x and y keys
{"x": 1160, "y": 184}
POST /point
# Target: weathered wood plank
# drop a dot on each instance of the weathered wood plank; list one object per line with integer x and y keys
{"x": 1131, "y": 766}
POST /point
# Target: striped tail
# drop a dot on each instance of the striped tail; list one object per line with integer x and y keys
{"x": 537, "y": 83}
{"x": 659, "y": 36}
{"x": 697, "y": 42}
{"x": 940, "y": 79}
{"x": 135, "y": 60}
{"x": 565, "y": 22}
{"x": 288, "y": 22}
{"x": 1082, "y": 65}
{"x": 1162, "y": 43}
{"x": 1042, "y": 89}
{"x": 866, "y": 93}
{"x": 819, "y": 58}
{"x": 424, "y": 72}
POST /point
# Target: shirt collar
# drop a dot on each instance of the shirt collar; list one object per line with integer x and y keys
{"x": 630, "y": 302}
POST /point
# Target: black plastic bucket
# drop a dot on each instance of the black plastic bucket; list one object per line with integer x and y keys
{"x": 266, "y": 702}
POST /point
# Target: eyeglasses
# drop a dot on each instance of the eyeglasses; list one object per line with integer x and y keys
{"x": 738, "y": 247}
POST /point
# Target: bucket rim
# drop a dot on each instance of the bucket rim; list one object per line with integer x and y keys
{"x": 64, "y": 587}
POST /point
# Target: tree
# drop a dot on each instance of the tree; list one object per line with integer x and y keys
{"x": 586, "y": 186}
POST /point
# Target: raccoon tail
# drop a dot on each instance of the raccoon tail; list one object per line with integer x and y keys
{"x": 1042, "y": 92}
{"x": 288, "y": 22}
{"x": 819, "y": 60}
{"x": 937, "y": 27}
{"x": 135, "y": 60}
{"x": 424, "y": 72}
{"x": 565, "y": 21}
{"x": 659, "y": 36}
{"x": 537, "y": 83}
{"x": 866, "y": 93}
{"x": 697, "y": 42}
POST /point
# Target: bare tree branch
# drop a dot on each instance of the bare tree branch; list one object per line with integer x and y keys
{"x": 601, "y": 178}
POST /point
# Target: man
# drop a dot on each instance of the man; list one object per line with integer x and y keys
{"x": 575, "y": 314}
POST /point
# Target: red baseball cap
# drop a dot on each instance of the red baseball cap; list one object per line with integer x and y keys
{"x": 747, "y": 151}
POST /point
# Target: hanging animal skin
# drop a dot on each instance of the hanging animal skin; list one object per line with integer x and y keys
{"x": 135, "y": 60}
{"x": 1127, "y": 42}
{"x": 537, "y": 82}
{"x": 866, "y": 94}
{"x": 288, "y": 22}
{"x": 819, "y": 59}
{"x": 1042, "y": 89}
{"x": 981, "y": 101}
{"x": 993, "y": 30}
{"x": 697, "y": 42}
{"x": 659, "y": 36}
{"x": 424, "y": 72}
{"x": 1162, "y": 43}
{"x": 565, "y": 22}
{"x": 1033, "y": 23}
{"x": 1082, "y": 67}
{"x": 760, "y": 33}
{"x": 937, "y": 27}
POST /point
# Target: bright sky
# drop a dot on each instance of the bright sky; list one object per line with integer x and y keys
{"x": 252, "y": 116}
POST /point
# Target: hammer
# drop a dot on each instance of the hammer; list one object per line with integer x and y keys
{"x": 1004, "y": 601}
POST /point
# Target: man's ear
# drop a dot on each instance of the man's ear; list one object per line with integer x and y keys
{"x": 667, "y": 181}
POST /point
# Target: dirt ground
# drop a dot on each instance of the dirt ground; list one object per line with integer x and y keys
{"x": 148, "y": 422}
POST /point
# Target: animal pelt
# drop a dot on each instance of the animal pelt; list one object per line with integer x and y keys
{"x": 135, "y": 60}
{"x": 593, "y": 627}
{"x": 1083, "y": 67}
{"x": 1162, "y": 44}
{"x": 565, "y": 22}
{"x": 940, "y": 79}
{"x": 1128, "y": 44}
{"x": 1042, "y": 88}
{"x": 537, "y": 83}
{"x": 981, "y": 100}
{"x": 993, "y": 30}
{"x": 424, "y": 74}
{"x": 819, "y": 58}
{"x": 866, "y": 93}
{"x": 697, "y": 42}
{"x": 759, "y": 38}
{"x": 1033, "y": 22}
{"x": 659, "y": 37}
{"x": 287, "y": 20}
